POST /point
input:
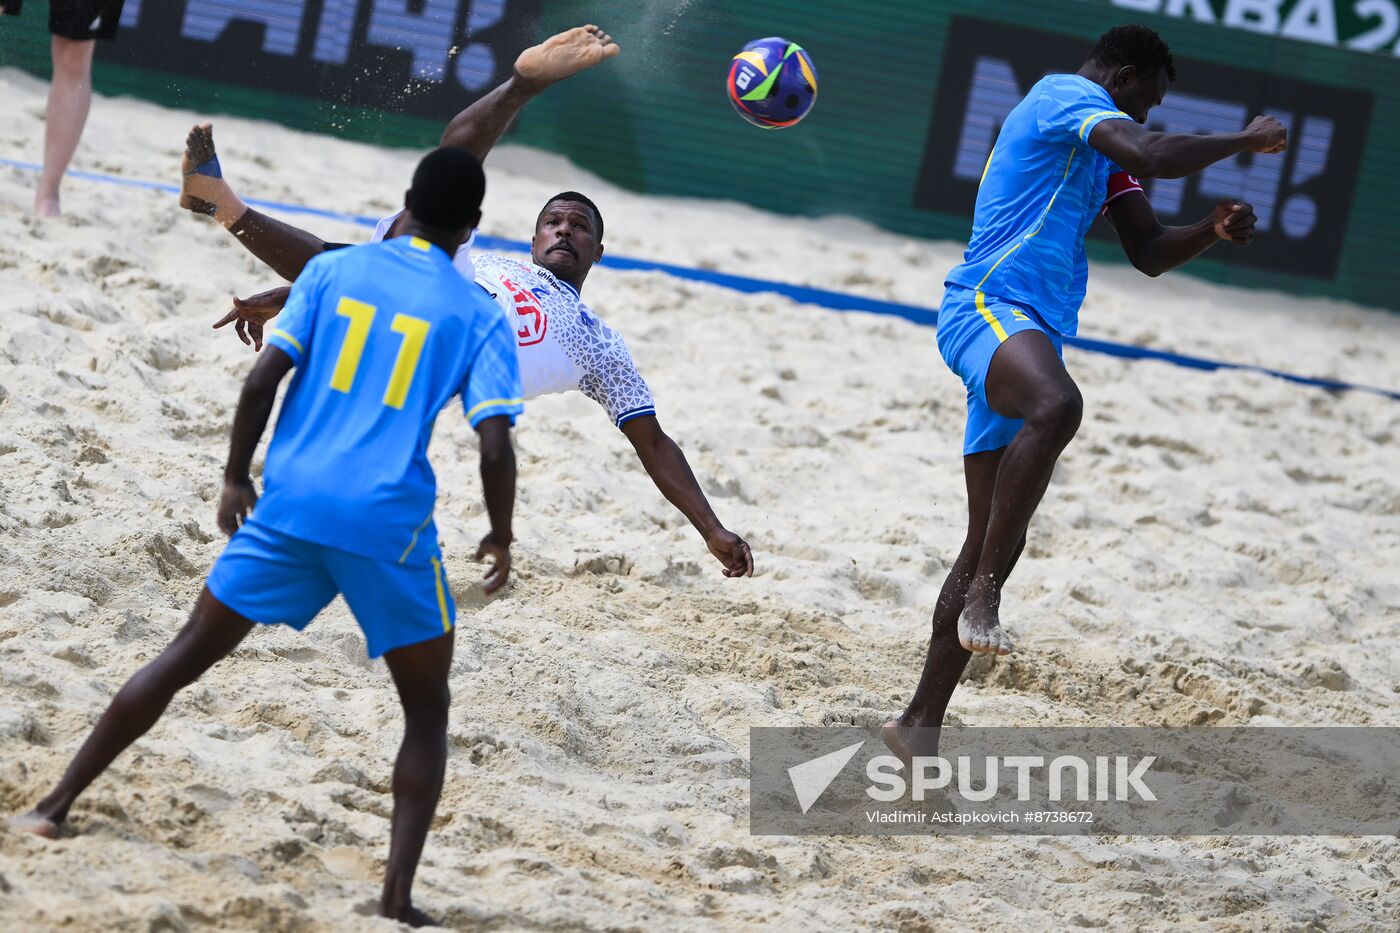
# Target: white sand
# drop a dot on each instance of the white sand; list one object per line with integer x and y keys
{"x": 1216, "y": 548}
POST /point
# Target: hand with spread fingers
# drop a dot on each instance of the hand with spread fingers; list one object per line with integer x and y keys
{"x": 249, "y": 315}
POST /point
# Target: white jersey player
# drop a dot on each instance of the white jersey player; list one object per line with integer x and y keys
{"x": 562, "y": 344}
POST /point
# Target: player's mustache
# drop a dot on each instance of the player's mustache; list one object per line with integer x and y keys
{"x": 564, "y": 245}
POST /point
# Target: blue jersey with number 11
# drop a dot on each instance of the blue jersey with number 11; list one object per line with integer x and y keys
{"x": 383, "y": 336}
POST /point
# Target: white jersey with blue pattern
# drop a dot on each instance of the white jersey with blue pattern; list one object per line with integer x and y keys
{"x": 562, "y": 345}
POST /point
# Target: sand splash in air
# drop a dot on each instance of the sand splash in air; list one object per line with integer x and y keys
{"x": 1216, "y": 548}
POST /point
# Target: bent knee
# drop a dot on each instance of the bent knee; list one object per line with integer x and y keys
{"x": 1059, "y": 412}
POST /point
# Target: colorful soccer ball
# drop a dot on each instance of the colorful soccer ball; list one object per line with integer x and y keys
{"x": 772, "y": 83}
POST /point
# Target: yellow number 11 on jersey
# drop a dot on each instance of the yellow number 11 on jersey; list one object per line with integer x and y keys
{"x": 361, "y": 315}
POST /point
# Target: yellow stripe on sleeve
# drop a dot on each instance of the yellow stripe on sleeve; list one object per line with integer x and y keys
{"x": 491, "y": 402}
{"x": 1095, "y": 116}
{"x": 277, "y": 332}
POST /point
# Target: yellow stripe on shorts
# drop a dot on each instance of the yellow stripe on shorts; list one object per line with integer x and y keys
{"x": 990, "y": 318}
{"x": 441, "y": 595}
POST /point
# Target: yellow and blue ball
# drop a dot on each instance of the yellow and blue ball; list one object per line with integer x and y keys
{"x": 772, "y": 83}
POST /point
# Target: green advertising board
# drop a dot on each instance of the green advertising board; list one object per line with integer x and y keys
{"x": 910, "y": 98}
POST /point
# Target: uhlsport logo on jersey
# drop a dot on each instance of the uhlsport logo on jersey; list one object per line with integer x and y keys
{"x": 844, "y": 781}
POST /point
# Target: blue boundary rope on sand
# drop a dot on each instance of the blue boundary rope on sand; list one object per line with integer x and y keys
{"x": 834, "y": 301}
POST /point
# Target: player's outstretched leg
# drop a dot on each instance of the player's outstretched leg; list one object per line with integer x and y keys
{"x": 420, "y": 674}
{"x": 211, "y": 633}
{"x": 911, "y": 734}
{"x": 564, "y": 55}
{"x": 1026, "y": 379}
{"x": 202, "y": 186}
{"x": 203, "y": 190}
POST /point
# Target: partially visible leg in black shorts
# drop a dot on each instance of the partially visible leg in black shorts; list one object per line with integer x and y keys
{"x": 74, "y": 24}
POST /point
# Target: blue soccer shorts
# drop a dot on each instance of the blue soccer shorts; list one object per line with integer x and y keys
{"x": 971, "y": 326}
{"x": 272, "y": 578}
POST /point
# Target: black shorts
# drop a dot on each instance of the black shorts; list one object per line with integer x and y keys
{"x": 84, "y": 19}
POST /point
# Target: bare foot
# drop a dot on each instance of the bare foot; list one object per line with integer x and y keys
{"x": 45, "y": 206}
{"x": 908, "y": 742}
{"x": 36, "y": 823}
{"x": 202, "y": 186}
{"x": 411, "y": 916}
{"x": 563, "y": 55}
{"x": 979, "y": 628}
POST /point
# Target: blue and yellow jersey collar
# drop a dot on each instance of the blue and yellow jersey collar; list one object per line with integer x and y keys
{"x": 418, "y": 244}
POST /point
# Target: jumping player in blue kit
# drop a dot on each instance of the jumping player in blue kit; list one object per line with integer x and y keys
{"x": 1074, "y": 147}
{"x": 382, "y": 337}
